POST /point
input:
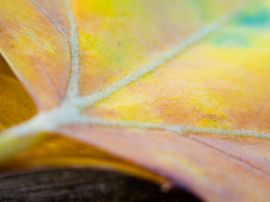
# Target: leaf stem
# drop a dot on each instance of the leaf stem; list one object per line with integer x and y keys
{"x": 21, "y": 137}
{"x": 33, "y": 131}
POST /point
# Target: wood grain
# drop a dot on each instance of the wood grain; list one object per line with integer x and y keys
{"x": 83, "y": 185}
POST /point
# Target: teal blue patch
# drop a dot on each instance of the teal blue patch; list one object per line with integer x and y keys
{"x": 258, "y": 18}
{"x": 230, "y": 40}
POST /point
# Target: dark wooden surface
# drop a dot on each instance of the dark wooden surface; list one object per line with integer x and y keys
{"x": 83, "y": 185}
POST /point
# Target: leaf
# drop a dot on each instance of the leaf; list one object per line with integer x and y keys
{"x": 55, "y": 151}
{"x": 174, "y": 88}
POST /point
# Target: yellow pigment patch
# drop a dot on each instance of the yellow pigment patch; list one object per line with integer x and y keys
{"x": 217, "y": 84}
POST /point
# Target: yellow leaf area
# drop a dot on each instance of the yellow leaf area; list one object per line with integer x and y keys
{"x": 220, "y": 83}
{"x": 55, "y": 151}
{"x": 146, "y": 82}
{"x": 118, "y": 37}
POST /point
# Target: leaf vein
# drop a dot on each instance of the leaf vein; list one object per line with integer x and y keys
{"x": 52, "y": 21}
{"x": 73, "y": 85}
{"x": 164, "y": 58}
{"x": 181, "y": 129}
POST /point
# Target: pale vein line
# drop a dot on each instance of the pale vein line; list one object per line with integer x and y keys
{"x": 73, "y": 86}
{"x": 133, "y": 124}
{"x": 46, "y": 74}
{"x": 232, "y": 156}
{"x": 181, "y": 129}
{"x": 167, "y": 56}
{"x": 51, "y": 20}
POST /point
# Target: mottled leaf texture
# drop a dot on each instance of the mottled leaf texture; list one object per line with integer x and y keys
{"x": 173, "y": 91}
